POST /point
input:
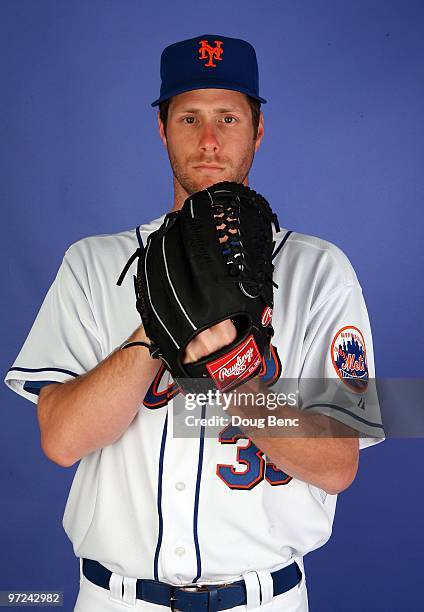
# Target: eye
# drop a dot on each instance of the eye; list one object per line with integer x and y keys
{"x": 229, "y": 117}
{"x": 190, "y": 122}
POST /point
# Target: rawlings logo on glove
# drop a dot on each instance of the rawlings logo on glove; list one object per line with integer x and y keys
{"x": 235, "y": 366}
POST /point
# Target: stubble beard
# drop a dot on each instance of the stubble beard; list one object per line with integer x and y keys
{"x": 191, "y": 185}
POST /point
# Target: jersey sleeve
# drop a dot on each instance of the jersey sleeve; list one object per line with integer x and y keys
{"x": 64, "y": 341}
{"x": 338, "y": 372}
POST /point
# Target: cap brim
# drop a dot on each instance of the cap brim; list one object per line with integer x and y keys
{"x": 206, "y": 85}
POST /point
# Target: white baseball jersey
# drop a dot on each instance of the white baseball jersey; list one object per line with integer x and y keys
{"x": 196, "y": 509}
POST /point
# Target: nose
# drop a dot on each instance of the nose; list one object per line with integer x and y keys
{"x": 208, "y": 137}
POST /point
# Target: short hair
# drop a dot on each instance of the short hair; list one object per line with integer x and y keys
{"x": 255, "y": 107}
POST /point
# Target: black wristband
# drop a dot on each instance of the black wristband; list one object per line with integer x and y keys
{"x": 135, "y": 344}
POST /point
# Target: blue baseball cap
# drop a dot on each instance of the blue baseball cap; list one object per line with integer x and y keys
{"x": 209, "y": 61}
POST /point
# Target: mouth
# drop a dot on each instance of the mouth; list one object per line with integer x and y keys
{"x": 208, "y": 168}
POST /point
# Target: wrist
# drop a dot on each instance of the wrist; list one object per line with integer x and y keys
{"x": 139, "y": 335}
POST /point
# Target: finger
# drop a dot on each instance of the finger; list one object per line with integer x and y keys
{"x": 210, "y": 340}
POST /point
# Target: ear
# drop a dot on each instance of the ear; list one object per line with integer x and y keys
{"x": 162, "y": 131}
{"x": 261, "y": 131}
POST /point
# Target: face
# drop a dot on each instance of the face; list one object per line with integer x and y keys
{"x": 209, "y": 139}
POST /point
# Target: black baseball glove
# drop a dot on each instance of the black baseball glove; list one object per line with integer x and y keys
{"x": 210, "y": 261}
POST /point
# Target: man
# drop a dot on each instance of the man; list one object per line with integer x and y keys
{"x": 196, "y": 523}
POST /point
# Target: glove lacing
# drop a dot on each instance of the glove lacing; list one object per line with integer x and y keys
{"x": 227, "y": 221}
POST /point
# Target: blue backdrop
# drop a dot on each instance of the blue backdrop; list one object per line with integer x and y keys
{"x": 341, "y": 158}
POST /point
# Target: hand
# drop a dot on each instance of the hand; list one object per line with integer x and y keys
{"x": 210, "y": 340}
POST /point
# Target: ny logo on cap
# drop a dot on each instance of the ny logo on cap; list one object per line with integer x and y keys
{"x": 210, "y": 53}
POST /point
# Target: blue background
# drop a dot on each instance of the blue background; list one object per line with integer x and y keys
{"x": 342, "y": 158}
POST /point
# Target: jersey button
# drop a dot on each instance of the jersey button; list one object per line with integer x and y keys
{"x": 180, "y": 551}
{"x": 180, "y": 486}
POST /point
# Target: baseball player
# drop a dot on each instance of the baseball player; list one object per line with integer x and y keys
{"x": 195, "y": 523}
